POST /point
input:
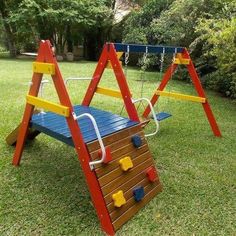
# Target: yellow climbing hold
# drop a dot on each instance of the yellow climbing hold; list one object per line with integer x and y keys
{"x": 118, "y": 198}
{"x": 126, "y": 163}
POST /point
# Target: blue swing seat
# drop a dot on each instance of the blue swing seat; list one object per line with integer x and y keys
{"x": 162, "y": 116}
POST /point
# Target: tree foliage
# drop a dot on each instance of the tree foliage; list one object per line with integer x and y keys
{"x": 206, "y": 27}
{"x": 63, "y": 22}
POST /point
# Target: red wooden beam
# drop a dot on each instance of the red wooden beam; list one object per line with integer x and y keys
{"x": 206, "y": 106}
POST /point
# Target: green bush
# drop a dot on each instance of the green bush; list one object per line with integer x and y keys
{"x": 206, "y": 27}
{"x": 221, "y": 36}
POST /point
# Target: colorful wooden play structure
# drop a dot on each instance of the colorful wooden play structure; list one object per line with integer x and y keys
{"x": 112, "y": 150}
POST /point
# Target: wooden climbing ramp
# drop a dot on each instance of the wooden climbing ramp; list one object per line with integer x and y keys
{"x": 130, "y": 180}
{"x": 131, "y": 168}
{"x": 112, "y": 150}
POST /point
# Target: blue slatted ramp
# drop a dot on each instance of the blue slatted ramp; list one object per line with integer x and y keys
{"x": 56, "y": 126}
{"x": 162, "y": 116}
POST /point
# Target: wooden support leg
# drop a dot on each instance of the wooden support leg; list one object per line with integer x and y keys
{"x": 211, "y": 119}
{"x": 206, "y": 106}
{"x": 22, "y": 135}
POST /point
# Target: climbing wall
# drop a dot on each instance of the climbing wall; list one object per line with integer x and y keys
{"x": 130, "y": 180}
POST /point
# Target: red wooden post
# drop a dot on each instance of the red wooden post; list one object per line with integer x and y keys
{"x": 206, "y": 106}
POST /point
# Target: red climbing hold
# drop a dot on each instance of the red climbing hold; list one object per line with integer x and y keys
{"x": 152, "y": 174}
{"x": 108, "y": 157}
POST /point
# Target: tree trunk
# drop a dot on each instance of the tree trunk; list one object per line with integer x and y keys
{"x": 8, "y": 29}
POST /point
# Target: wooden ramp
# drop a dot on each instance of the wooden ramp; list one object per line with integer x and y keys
{"x": 130, "y": 180}
{"x": 142, "y": 176}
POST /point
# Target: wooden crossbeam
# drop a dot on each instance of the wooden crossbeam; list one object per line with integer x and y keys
{"x": 50, "y": 106}
{"x": 181, "y": 96}
{"x": 179, "y": 60}
{"x": 44, "y": 68}
{"x": 109, "y": 92}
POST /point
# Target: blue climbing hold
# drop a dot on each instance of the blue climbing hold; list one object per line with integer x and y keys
{"x": 136, "y": 140}
{"x": 138, "y": 193}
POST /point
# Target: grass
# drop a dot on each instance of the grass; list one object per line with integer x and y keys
{"x": 47, "y": 195}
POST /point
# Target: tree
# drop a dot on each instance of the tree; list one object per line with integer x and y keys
{"x": 60, "y": 21}
{"x": 220, "y": 36}
{"x": 9, "y": 30}
{"x": 206, "y": 27}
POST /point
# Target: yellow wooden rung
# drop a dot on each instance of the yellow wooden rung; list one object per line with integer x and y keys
{"x": 181, "y": 96}
{"x": 50, "y": 106}
{"x": 179, "y": 60}
{"x": 126, "y": 163}
{"x": 109, "y": 92}
{"x": 44, "y": 68}
{"x": 118, "y": 198}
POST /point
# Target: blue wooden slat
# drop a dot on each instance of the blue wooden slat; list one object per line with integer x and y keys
{"x": 56, "y": 126}
{"x": 107, "y": 129}
{"x": 59, "y": 123}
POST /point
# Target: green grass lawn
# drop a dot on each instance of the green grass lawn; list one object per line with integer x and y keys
{"x": 47, "y": 194}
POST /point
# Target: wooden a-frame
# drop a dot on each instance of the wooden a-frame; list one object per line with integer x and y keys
{"x": 109, "y": 56}
{"x": 185, "y": 57}
{"x": 46, "y": 61}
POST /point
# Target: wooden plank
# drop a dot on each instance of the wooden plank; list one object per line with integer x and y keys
{"x": 44, "y": 68}
{"x": 106, "y": 168}
{"x": 182, "y": 61}
{"x": 117, "y": 212}
{"x": 50, "y": 106}
{"x": 118, "y": 174}
{"x": 126, "y": 176}
{"x": 112, "y": 138}
{"x": 126, "y": 186}
{"x": 123, "y": 143}
{"x": 181, "y": 96}
{"x": 12, "y": 137}
{"x": 109, "y": 92}
{"x": 116, "y": 145}
{"x": 133, "y": 210}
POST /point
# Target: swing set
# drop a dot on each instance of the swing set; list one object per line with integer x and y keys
{"x": 180, "y": 57}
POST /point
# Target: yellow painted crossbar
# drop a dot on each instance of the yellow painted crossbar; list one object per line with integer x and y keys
{"x": 50, "y": 106}
{"x": 109, "y": 92}
{"x": 44, "y": 68}
{"x": 180, "y": 60}
{"x": 181, "y": 96}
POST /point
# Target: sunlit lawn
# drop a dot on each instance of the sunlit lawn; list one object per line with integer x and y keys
{"x": 47, "y": 194}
